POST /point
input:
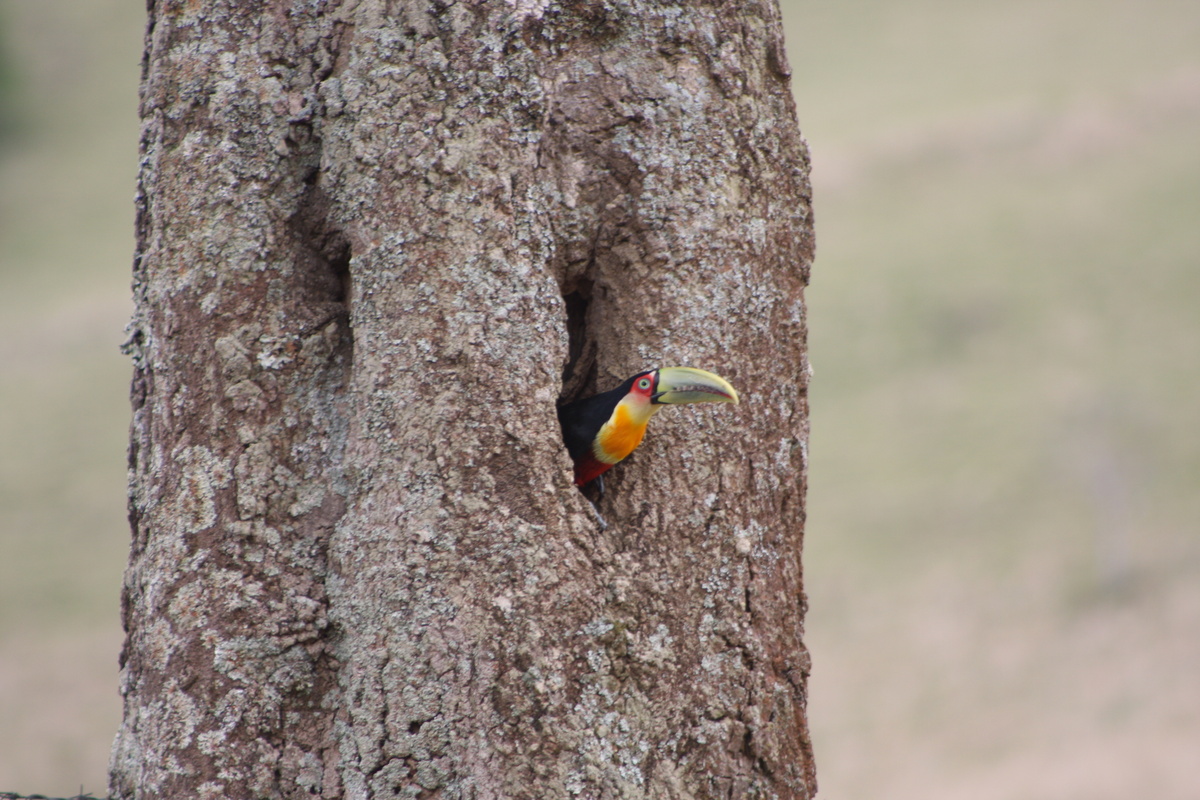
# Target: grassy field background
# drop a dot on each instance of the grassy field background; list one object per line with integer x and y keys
{"x": 1003, "y": 553}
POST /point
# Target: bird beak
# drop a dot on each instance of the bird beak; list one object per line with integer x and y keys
{"x": 679, "y": 385}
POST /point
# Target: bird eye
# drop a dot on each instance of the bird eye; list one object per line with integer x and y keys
{"x": 644, "y": 383}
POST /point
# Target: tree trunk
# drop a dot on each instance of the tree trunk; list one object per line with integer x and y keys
{"x": 377, "y": 242}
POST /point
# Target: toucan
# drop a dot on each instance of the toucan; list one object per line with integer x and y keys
{"x": 601, "y": 430}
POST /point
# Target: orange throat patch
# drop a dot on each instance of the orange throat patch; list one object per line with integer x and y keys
{"x": 624, "y": 430}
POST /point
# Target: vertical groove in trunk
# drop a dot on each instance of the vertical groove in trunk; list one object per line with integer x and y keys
{"x": 242, "y": 353}
{"x": 377, "y": 242}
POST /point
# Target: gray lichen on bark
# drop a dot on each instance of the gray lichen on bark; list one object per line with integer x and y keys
{"x": 377, "y": 242}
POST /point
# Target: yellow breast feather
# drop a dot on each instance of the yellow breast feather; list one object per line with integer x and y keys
{"x": 623, "y": 432}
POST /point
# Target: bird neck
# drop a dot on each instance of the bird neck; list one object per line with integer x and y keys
{"x": 624, "y": 430}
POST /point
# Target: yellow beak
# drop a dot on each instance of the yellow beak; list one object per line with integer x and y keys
{"x": 680, "y": 385}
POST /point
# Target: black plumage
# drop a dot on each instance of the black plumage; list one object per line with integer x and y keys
{"x": 581, "y": 420}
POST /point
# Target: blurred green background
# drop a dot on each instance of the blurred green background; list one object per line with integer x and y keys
{"x": 1003, "y": 548}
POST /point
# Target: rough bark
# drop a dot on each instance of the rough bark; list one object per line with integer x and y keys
{"x": 377, "y": 242}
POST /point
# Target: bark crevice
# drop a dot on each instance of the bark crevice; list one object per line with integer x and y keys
{"x": 579, "y": 373}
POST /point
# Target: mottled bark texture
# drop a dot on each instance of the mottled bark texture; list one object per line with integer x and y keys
{"x": 378, "y": 241}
